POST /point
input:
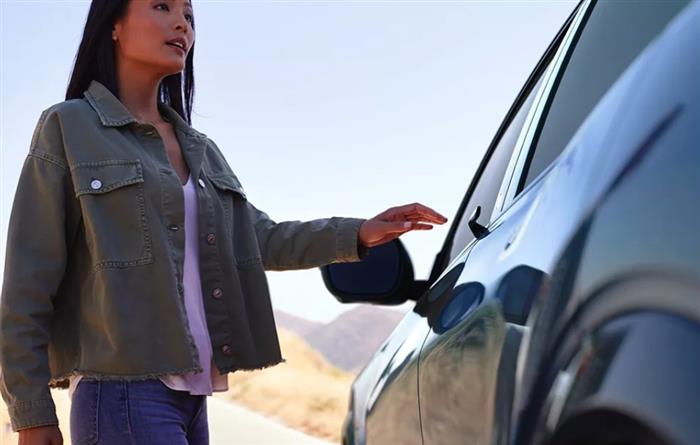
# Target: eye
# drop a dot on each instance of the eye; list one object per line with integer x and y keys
{"x": 189, "y": 17}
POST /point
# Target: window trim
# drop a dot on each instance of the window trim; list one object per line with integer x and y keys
{"x": 513, "y": 164}
{"x": 442, "y": 259}
{"x": 509, "y": 191}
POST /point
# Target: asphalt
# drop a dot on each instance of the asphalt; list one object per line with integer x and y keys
{"x": 232, "y": 424}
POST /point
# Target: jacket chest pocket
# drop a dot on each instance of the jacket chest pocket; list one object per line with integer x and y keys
{"x": 239, "y": 224}
{"x": 113, "y": 207}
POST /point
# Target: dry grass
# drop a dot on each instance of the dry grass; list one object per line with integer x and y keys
{"x": 305, "y": 392}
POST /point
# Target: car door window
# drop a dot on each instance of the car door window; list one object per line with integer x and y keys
{"x": 492, "y": 176}
{"x": 614, "y": 34}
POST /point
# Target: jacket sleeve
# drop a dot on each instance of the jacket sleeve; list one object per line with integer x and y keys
{"x": 287, "y": 245}
{"x": 35, "y": 259}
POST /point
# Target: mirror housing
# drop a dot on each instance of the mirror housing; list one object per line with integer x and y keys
{"x": 385, "y": 276}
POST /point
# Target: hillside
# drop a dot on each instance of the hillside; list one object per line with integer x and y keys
{"x": 308, "y": 392}
{"x": 298, "y": 325}
{"x": 305, "y": 393}
{"x": 349, "y": 341}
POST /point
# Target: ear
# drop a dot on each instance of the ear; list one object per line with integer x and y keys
{"x": 115, "y": 32}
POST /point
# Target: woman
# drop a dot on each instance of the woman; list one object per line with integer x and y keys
{"x": 135, "y": 262}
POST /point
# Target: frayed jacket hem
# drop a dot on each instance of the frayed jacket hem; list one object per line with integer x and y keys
{"x": 63, "y": 381}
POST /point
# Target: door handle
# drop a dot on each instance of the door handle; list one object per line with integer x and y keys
{"x": 477, "y": 229}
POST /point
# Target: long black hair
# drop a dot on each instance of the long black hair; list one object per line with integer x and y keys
{"x": 96, "y": 61}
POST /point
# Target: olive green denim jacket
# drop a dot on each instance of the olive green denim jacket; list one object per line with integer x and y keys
{"x": 94, "y": 262}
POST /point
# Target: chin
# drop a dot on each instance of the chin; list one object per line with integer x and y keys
{"x": 171, "y": 69}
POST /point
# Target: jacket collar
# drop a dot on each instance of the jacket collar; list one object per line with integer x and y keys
{"x": 113, "y": 113}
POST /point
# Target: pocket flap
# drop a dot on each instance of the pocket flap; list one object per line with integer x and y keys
{"x": 97, "y": 177}
{"x": 228, "y": 182}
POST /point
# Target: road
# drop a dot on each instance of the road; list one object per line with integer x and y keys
{"x": 232, "y": 424}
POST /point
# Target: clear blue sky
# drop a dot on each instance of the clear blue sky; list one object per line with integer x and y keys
{"x": 322, "y": 108}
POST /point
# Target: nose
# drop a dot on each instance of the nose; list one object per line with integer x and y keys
{"x": 181, "y": 24}
{"x": 182, "y": 30}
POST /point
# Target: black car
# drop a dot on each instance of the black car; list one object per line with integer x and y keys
{"x": 564, "y": 304}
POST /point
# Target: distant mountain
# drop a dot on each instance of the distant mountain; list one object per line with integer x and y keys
{"x": 298, "y": 325}
{"x": 349, "y": 341}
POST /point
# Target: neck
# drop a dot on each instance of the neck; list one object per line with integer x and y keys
{"x": 138, "y": 91}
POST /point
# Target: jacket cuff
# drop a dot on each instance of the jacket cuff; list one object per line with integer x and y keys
{"x": 32, "y": 413}
{"x": 349, "y": 248}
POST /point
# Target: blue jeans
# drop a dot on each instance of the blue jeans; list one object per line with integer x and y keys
{"x": 138, "y": 412}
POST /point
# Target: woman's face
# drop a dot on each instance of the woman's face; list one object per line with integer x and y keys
{"x": 142, "y": 34}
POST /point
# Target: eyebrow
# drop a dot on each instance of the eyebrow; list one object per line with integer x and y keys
{"x": 187, "y": 3}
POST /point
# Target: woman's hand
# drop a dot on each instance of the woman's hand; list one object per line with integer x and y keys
{"x": 396, "y": 221}
{"x": 41, "y": 435}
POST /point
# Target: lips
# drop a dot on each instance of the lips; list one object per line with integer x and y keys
{"x": 177, "y": 48}
{"x": 178, "y": 43}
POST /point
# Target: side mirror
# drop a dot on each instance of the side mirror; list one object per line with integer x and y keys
{"x": 384, "y": 276}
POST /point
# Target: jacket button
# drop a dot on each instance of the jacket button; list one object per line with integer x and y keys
{"x": 174, "y": 227}
{"x": 226, "y": 349}
{"x": 95, "y": 184}
{"x": 217, "y": 293}
{"x": 211, "y": 238}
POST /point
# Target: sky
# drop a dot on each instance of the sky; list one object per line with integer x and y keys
{"x": 321, "y": 108}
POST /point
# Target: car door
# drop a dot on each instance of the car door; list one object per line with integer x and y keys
{"x": 391, "y": 413}
{"x": 391, "y": 406}
{"x": 469, "y": 358}
{"x": 468, "y": 334}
